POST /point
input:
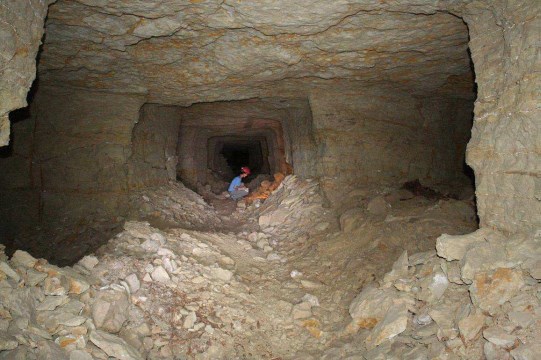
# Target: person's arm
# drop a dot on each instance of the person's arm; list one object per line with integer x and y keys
{"x": 234, "y": 184}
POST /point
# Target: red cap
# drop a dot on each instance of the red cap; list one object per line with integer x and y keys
{"x": 245, "y": 170}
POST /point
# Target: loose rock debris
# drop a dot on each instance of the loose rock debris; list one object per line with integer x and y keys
{"x": 291, "y": 283}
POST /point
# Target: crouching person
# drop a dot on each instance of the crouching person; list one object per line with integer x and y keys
{"x": 237, "y": 190}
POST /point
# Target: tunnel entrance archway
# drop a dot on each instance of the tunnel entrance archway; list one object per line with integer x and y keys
{"x": 216, "y": 139}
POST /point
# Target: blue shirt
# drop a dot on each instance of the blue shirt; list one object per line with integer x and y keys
{"x": 236, "y": 182}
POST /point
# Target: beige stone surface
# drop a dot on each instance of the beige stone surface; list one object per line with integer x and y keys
{"x": 21, "y": 30}
{"x": 362, "y": 139}
{"x": 186, "y": 52}
{"x": 153, "y": 146}
{"x": 74, "y": 159}
{"x": 491, "y": 290}
{"x": 505, "y": 147}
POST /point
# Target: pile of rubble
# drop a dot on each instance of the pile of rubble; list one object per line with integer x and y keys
{"x": 279, "y": 285}
{"x": 295, "y": 206}
{"x": 148, "y": 294}
{"x": 154, "y": 294}
{"x": 477, "y": 297}
{"x": 174, "y": 204}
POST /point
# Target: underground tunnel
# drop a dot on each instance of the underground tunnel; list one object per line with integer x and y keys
{"x": 393, "y": 203}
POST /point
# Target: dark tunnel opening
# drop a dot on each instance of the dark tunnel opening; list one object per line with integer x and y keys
{"x": 251, "y": 152}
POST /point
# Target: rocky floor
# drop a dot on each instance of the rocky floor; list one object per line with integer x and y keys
{"x": 283, "y": 279}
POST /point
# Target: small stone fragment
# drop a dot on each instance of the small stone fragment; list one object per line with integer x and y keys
{"x": 52, "y": 302}
{"x": 24, "y": 259}
{"x": 307, "y": 284}
{"x": 7, "y": 342}
{"x": 400, "y": 269}
{"x": 114, "y": 346}
{"x": 493, "y": 352}
{"x": 109, "y": 311}
{"x": 437, "y": 286}
{"x": 54, "y": 286}
{"x": 301, "y": 311}
{"x": 89, "y": 262}
{"x": 454, "y": 247}
{"x": 34, "y": 277}
{"x": 159, "y": 274}
{"x": 471, "y": 325}
{"x": 499, "y": 337}
{"x": 372, "y": 305}
{"x": 150, "y": 246}
{"x": 394, "y": 323}
{"x": 6, "y": 269}
{"x": 521, "y": 318}
{"x": 530, "y": 351}
{"x": 480, "y": 258}
{"x": 221, "y": 274}
{"x": 274, "y": 257}
{"x": 133, "y": 283}
{"x": 190, "y": 320}
{"x": 490, "y": 290}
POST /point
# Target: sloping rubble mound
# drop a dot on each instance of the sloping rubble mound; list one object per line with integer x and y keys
{"x": 477, "y": 297}
{"x": 174, "y": 205}
{"x": 280, "y": 291}
{"x": 149, "y": 295}
{"x": 293, "y": 207}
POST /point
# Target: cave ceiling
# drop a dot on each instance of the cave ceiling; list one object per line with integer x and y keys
{"x": 183, "y": 52}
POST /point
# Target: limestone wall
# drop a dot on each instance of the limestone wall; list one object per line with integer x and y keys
{"x": 82, "y": 144}
{"x": 377, "y": 137}
{"x": 191, "y": 146}
{"x": 19, "y": 197}
{"x": 70, "y": 159}
{"x": 299, "y": 140}
{"x": 21, "y": 30}
{"x": 154, "y": 144}
{"x": 505, "y": 150}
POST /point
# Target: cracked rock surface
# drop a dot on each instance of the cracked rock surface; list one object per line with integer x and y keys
{"x": 180, "y": 52}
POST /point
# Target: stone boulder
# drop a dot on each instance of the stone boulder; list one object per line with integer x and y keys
{"x": 490, "y": 290}
{"x": 109, "y": 310}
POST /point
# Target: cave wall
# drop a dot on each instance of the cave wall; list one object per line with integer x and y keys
{"x": 82, "y": 146}
{"x": 299, "y": 143}
{"x": 74, "y": 152}
{"x": 374, "y": 137}
{"x": 21, "y": 30}
{"x": 505, "y": 149}
{"x": 192, "y": 155}
{"x": 154, "y": 147}
{"x": 19, "y": 197}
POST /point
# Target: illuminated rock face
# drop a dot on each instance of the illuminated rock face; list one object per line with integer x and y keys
{"x": 371, "y": 93}
{"x": 21, "y": 29}
{"x": 504, "y": 149}
{"x": 186, "y": 52}
{"x": 354, "y": 97}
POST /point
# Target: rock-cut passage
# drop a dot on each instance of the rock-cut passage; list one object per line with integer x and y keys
{"x": 363, "y": 236}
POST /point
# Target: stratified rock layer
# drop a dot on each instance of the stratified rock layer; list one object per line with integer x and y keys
{"x": 505, "y": 147}
{"x": 186, "y": 52}
{"x": 21, "y": 30}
